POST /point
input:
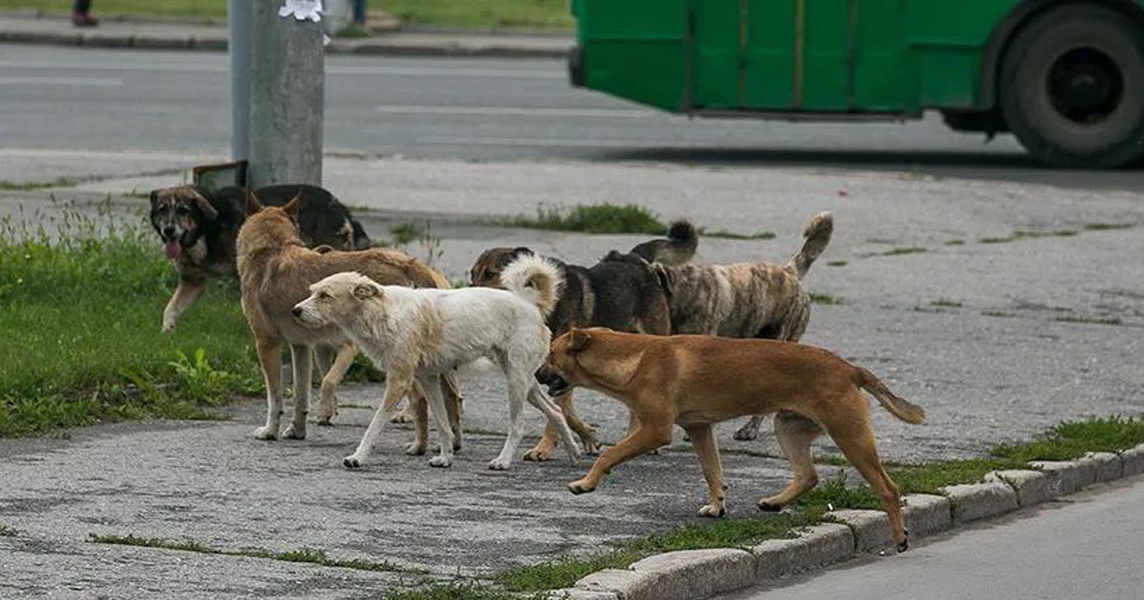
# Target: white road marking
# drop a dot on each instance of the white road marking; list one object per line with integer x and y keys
{"x": 557, "y": 72}
{"x": 542, "y": 142}
{"x": 72, "y": 81}
{"x": 511, "y": 111}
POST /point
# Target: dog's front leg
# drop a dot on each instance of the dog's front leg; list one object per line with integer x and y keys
{"x": 397, "y": 384}
{"x": 328, "y": 401}
{"x": 703, "y": 440}
{"x": 186, "y": 294}
{"x": 302, "y": 362}
{"x": 649, "y": 436}
{"x": 270, "y": 358}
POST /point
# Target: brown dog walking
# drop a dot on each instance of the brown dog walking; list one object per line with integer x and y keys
{"x": 696, "y": 381}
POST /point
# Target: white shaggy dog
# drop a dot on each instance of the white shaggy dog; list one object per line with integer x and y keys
{"x": 418, "y": 334}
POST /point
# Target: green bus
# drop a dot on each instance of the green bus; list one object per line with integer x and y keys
{"x": 1065, "y": 76}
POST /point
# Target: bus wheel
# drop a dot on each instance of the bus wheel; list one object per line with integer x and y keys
{"x": 1072, "y": 88}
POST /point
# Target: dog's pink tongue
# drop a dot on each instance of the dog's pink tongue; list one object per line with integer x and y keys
{"x": 172, "y": 250}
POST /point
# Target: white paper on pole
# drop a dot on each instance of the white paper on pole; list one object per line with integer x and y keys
{"x": 302, "y": 10}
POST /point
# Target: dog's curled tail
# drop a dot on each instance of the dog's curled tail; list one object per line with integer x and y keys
{"x": 817, "y": 236}
{"x": 536, "y": 279}
{"x": 899, "y": 407}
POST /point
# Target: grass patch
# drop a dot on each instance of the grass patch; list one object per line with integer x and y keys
{"x": 825, "y": 299}
{"x": 486, "y": 14}
{"x": 946, "y": 303}
{"x": 904, "y": 250}
{"x": 459, "y": 591}
{"x": 1090, "y": 320}
{"x": 1107, "y": 226}
{"x": 723, "y": 233}
{"x": 303, "y": 555}
{"x": 6, "y": 531}
{"x": 12, "y": 186}
{"x": 997, "y": 313}
{"x": 81, "y": 300}
{"x": 836, "y": 263}
{"x": 593, "y": 218}
{"x": 1028, "y": 235}
{"x": 955, "y": 243}
{"x": 404, "y": 233}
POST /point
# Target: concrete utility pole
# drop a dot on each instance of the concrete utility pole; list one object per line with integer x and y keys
{"x": 238, "y": 20}
{"x": 287, "y": 84}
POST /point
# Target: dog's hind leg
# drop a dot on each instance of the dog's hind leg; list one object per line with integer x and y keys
{"x": 547, "y": 444}
{"x": 518, "y": 387}
{"x": 440, "y": 415}
{"x": 703, "y": 440}
{"x": 537, "y": 398}
{"x": 333, "y": 375}
{"x": 397, "y": 384}
{"x": 795, "y": 434}
{"x": 186, "y": 294}
{"x": 270, "y": 359}
{"x": 852, "y": 433}
{"x": 302, "y": 362}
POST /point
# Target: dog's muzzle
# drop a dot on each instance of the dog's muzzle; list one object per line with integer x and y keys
{"x": 557, "y": 385}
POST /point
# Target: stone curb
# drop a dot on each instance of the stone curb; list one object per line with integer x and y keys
{"x": 445, "y": 47}
{"x": 695, "y": 574}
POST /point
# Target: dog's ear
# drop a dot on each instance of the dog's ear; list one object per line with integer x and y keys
{"x": 364, "y": 290}
{"x": 578, "y": 340}
{"x": 204, "y": 205}
{"x": 294, "y": 206}
{"x": 520, "y": 251}
{"x": 154, "y": 199}
{"x": 252, "y": 203}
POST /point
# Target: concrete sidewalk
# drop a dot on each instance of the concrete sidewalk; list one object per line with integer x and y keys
{"x": 968, "y": 298}
{"x": 36, "y": 27}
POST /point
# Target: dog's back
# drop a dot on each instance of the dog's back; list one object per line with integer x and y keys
{"x": 276, "y": 270}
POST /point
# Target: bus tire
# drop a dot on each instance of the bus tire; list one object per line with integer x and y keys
{"x": 1072, "y": 87}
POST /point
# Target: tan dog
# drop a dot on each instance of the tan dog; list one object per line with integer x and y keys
{"x": 696, "y": 381}
{"x": 758, "y": 299}
{"x": 275, "y": 270}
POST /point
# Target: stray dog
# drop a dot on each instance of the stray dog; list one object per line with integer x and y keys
{"x": 418, "y": 334}
{"x": 198, "y": 227}
{"x": 696, "y": 381}
{"x": 746, "y": 300}
{"x": 275, "y": 271}
{"x": 621, "y": 292}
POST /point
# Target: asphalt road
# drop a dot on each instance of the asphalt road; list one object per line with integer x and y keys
{"x": 479, "y": 109}
{"x": 1025, "y": 555}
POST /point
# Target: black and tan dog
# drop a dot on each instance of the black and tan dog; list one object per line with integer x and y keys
{"x": 621, "y": 292}
{"x": 746, "y": 300}
{"x": 696, "y": 381}
{"x": 198, "y": 227}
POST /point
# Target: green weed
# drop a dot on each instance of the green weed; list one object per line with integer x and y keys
{"x": 594, "y": 218}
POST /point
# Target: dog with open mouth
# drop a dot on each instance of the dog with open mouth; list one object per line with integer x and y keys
{"x": 198, "y": 227}
{"x": 697, "y": 381}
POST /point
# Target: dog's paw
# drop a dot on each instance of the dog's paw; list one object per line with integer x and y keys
{"x": 442, "y": 462}
{"x": 769, "y": 506}
{"x": 712, "y": 510}
{"x": 167, "y": 327}
{"x": 539, "y": 455}
{"x": 324, "y": 422}
{"x": 747, "y": 433}
{"x": 294, "y": 432}
{"x": 401, "y": 417}
{"x": 591, "y": 448}
{"x": 580, "y": 487}
{"x": 352, "y": 462}
{"x": 266, "y": 433}
{"x": 499, "y": 464}
{"x": 415, "y": 449}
